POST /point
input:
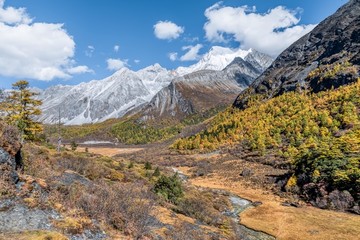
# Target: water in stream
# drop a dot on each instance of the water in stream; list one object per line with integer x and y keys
{"x": 238, "y": 206}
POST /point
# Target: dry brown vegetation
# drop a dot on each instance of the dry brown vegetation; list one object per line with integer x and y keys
{"x": 83, "y": 186}
{"x": 34, "y": 235}
{"x": 9, "y": 138}
{"x": 6, "y": 185}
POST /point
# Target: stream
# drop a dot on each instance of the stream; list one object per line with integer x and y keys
{"x": 238, "y": 206}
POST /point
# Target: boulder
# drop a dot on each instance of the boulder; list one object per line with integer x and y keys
{"x": 8, "y": 165}
{"x": 318, "y": 195}
{"x": 341, "y": 200}
{"x": 246, "y": 172}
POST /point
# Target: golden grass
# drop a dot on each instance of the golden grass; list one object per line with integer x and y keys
{"x": 34, "y": 235}
{"x": 109, "y": 152}
{"x": 287, "y": 222}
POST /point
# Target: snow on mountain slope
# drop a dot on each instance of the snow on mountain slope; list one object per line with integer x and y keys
{"x": 99, "y": 100}
{"x": 155, "y": 77}
{"x": 203, "y": 90}
{"x": 113, "y": 97}
{"x": 216, "y": 59}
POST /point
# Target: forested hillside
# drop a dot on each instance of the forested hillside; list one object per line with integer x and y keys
{"x": 317, "y": 135}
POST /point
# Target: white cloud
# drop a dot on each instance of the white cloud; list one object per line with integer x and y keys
{"x": 42, "y": 51}
{"x": 173, "y": 56}
{"x": 167, "y": 30}
{"x": 116, "y": 48}
{"x": 271, "y": 32}
{"x": 116, "y": 64}
{"x": 12, "y": 15}
{"x": 80, "y": 70}
{"x": 89, "y": 51}
{"x": 192, "y": 52}
{"x": 137, "y": 61}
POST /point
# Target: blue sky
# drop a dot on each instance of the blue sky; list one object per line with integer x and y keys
{"x": 67, "y": 42}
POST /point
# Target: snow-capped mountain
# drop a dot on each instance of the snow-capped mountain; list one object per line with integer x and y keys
{"x": 216, "y": 59}
{"x": 114, "y": 96}
{"x": 204, "y": 89}
{"x": 99, "y": 100}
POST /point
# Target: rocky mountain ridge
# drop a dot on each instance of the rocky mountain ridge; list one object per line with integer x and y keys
{"x": 205, "y": 89}
{"x": 125, "y": 90}
{"x": 325, "y": 58}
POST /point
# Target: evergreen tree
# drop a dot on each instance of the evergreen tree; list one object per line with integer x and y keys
{"x": 148, "y": 166}
{"x": 20, "y": 108}
{"x": 73, "y": 145}
{"x": 169, "y": 187}
{"x": 156, "y": 172}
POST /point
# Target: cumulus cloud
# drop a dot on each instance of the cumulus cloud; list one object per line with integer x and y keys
{"x": 114, "y": 64}
{"x": 192, "y": 52}
{"x": 42, "y": 51}
{"x": 167, "y": 30}
{"x": 271, "y": 32}
{"x": 116, "y": 48}
{"x": 173, "y": 56}
{"x": 12, "y": 15}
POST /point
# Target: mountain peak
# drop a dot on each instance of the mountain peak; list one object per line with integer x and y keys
{"x": 122, "y": 70}
{"x": 216, "y": 59}
{"x": 153, "y": 68}
{"x": 218, "y": 50}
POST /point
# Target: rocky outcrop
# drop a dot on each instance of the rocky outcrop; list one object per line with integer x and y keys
{"x": 8, "y": 166}
{"x": 10, "y": 155}
{"x": 318, "y": 196}
{"x": 325, "y": 58}
{"x": 20, "y": 218}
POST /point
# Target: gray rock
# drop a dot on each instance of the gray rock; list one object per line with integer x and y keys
{"x": 7, "y": 159}
{"x": 69, "y": 177}
{"x": 257, "y": 203}
{"x": 20, "y": 218}
{"x": 90, "y": 235}
{"x": 340, "y": 200}
{"x": 247, "y": 172}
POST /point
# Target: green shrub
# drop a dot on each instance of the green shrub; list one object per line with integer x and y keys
{"x": 169, "y": 188}
{"x": 148, "y": 166}
{"x": 73, "y": 145}
{"x": 156, "y": 172}
{"x": 131, "y": 165}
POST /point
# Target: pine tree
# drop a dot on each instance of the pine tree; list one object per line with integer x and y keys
{"x": 20, "y": 107}
{"x": 156, "y": 172}
{"x": 148, "y": 166}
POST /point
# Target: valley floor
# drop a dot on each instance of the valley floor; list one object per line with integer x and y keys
{"x": 276, "y": 214}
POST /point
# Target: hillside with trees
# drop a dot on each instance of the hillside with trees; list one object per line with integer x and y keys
{"x": 316, "y": 135}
